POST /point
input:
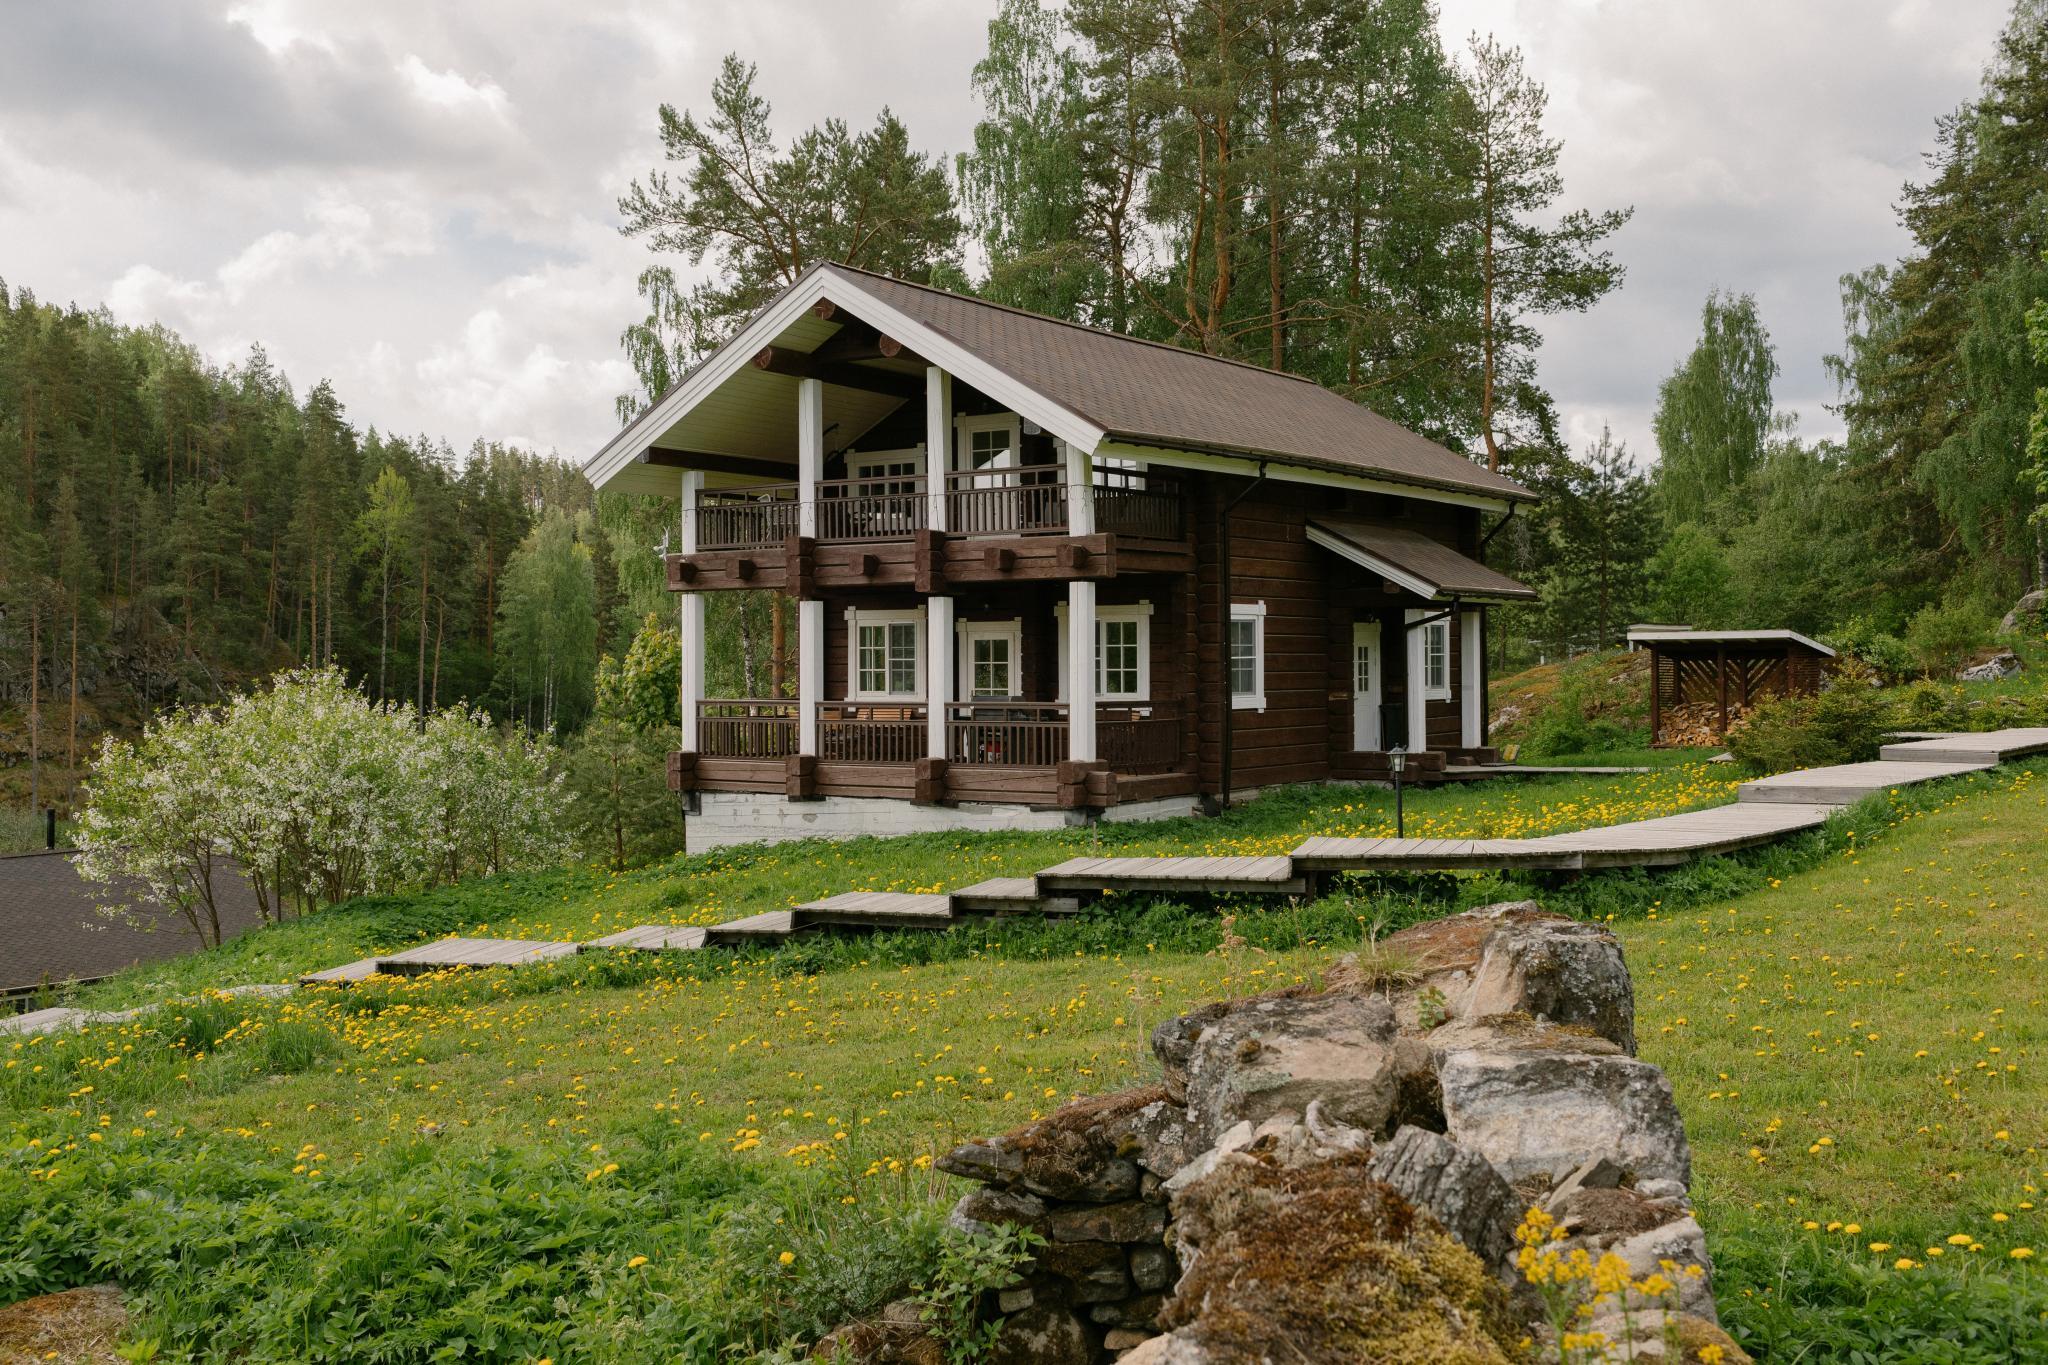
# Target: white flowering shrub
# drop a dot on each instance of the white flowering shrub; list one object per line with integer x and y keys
{"x": 318, "y": 795}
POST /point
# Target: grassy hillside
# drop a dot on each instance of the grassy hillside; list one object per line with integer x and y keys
{"x": 636, "y": 1159}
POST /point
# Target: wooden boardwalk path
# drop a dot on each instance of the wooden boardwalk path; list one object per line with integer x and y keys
{"x": 1766, "y": 809}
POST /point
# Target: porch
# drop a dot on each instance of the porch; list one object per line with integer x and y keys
{"x": 1000, "y": 751}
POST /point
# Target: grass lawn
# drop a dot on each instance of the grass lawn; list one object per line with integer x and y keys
{"x": 487, "y": 1159}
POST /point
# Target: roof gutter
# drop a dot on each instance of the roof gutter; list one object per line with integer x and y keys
{"x": 1223, "y": 605}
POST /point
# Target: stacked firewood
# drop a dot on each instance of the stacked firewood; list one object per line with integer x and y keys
{"x": 1695, "y": 723}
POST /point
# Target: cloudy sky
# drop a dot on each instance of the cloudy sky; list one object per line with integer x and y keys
{"x": 417, "y": 201}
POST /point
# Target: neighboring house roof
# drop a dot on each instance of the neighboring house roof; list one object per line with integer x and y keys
{"x": 1426, "y": 567}
{"x": 1090, "y": 387}
{"x": 50, "y": 930}
{"x": 1666, "y": 635}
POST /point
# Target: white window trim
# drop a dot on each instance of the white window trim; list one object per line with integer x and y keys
{"x": 856, "y": 618}
{"x": 1442, "y": 691}
{"x": 1255, "y": 612}
{"x": 1141, "y": 612}
{"x": 858, "y": 462}
{"x": 963, "y": 656}
{"x": 963, "y": 438}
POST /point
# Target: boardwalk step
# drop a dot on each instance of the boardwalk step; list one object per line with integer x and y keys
{"x": 1011, "y": 896}
{"x": 652, "y": 938}
{"x": 769, "y": 924}
{"x": 1268, "y": 875}
{"x": 879, "y": 909}
{"x": 1848, "y": 783}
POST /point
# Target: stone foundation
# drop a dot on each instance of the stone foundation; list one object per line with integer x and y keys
{"x": 724, "y": 818}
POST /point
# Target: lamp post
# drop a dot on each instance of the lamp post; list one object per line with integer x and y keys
{"x": 1397, "y": 758}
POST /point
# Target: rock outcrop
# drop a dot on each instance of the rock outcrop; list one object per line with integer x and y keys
{"x": 1411, "y": 1163}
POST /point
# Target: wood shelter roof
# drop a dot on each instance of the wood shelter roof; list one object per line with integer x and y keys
{"x": 1735, "y": 641}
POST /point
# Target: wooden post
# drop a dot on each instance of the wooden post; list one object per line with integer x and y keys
{"x": 938, "y": 440}
{"x": 1721, "y": 684}
{"x": 1081, "y": 671}
{"x": 938, "y": 687}
{"x": 810, "y": 452}
{"x": 1418, "y": 699}
{"x": 810, "y": 673}
{"x": 1656, "y": 695}
{"x": 1472, "y": 689}
{"x": 691, "y": 623}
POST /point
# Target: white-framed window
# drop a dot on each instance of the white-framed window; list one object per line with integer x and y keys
{"x": 1248, "y": 656}
{"x": 1117, "y": 471}
{"x": 886, "y": 471}
{"x": 991, "y": 659}
{"x": 988, "y": 443}
{"x": 1436, "y": 660}
{"x": 885, "y": 655}
{"x": 1123, "y": 652}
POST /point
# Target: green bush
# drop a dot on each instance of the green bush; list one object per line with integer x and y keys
{"x": 1844, "y": 724}
{"x": 1587, "y": 715}
{"x": 1883, "y": 652}
{"x": 1942, "y": 638}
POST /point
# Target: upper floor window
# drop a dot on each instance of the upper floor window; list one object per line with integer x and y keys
{"x": 990, "y": 442}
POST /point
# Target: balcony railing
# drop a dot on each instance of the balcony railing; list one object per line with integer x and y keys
{"x": 1142, "y": 738}
{"x": 1028, "y": 500}
{"x": 747, "y": 728}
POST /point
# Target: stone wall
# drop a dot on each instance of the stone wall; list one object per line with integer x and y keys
{"x": 724, "y": 818}
{"x": 1370, "y": 1171}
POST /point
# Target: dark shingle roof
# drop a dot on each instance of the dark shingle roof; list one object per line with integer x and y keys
{"x": 50, "y": 931}
{"x": 1450, "y": 574}
{"x": 1152, "y": 393}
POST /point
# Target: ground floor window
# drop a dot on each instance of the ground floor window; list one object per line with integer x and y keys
{"x": 1123, "y": 652}
{"x": 1248, "y": 656}
{"x": 1436, "y": 660}
{"x": 888, "y": 655}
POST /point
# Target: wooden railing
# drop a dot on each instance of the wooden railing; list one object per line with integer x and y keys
{"x": 749, "y": 728}
{"x": 1013, "y": 734}
{"x": 1006, "y": 502}
{"x": 1028, "y": 500}
{"x": 873, "y": 508}
{"x": 1140, "y": 502}
{"x": 1139, "y": 739}
{"x": 869, "y": 732}
{"x": 1143, "y": 738}
{"x": 732, "y": 519}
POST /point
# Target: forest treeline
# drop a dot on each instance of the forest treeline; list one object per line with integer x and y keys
{"x": 1330, "y": 187}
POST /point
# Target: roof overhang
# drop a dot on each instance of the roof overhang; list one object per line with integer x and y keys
{"x": 1658, "y": 635}
{"x": 1432, "y": 571}
{"x": 1289, "y": 469}
{"x": 618, "y": 464}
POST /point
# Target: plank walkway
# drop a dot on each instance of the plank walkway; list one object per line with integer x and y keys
{"x": 1767, "y": 809}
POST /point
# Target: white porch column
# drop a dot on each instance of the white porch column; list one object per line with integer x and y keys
{"x": 1081, "y": 671}
{"x": 810, "y": 453}
{"x": 691, "y": 625}
{"x": 1471, "y": 658}
{"x": 1418, "y": 697}
{"x": 938, "y": 442}
{"x": 938, "y": 685}
{"x": 1080, "y": 497}
{"x": 810, "y": 672}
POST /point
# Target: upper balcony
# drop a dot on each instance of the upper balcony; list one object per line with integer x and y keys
{"x": 1027, "y": 501}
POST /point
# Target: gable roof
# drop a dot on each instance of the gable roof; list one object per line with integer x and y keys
{"x": 1682, "y": 635}
{"x": 1084, "y": 385}
{"x": 1428, "y": 568}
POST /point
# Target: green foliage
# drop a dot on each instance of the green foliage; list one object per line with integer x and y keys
{"x": 644, "y": 688}
{"x": 618, "y": 781}
{"x": 1714, "y": 413}
{"x": 1844, "y": 723}
{"x": 1883, "y": 653}
{"x": 1590, "y": 712}
{"x": 1942, "y": 637}
{"x": 547, "y": 627}
{"x": 968, "y": 1268}
{"x": 1691, "y": 581}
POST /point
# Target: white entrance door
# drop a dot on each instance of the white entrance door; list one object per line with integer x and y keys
{"x": 989, "y": 660}
{"x": 1365, "y": 686}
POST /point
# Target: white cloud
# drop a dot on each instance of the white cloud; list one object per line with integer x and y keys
{"x": 449, "y": 89}
{"x": 417, "y": 201}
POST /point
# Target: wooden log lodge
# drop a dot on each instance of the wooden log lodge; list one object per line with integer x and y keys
{"x": 1044, "y": 573}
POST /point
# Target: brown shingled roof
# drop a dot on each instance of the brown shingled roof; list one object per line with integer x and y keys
{"x": 51, "y": 932}
{"x": 1151, "y": 393}
{"x": 1426, "y": 563}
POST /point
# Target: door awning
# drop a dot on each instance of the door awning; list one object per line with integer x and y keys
{"x": 1428, "y": 568}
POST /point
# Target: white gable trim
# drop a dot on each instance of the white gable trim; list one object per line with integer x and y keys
{"x": 1366, "y": 559}
{"x": 824, "y": 283}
